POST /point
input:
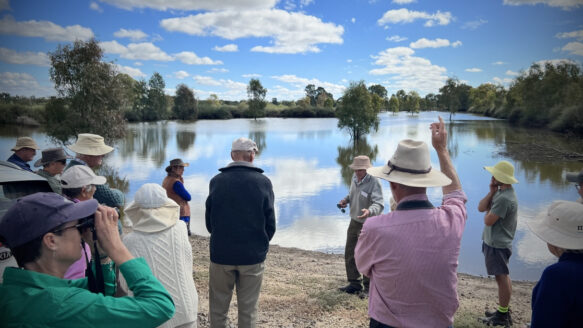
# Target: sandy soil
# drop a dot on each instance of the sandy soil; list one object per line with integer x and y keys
{"x": 300, "y": 290}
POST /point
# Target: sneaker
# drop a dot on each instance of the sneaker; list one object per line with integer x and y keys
{"x": 350, "y": 289}
{"x": 497, "y": 319}
{"x": 491, "y": 313}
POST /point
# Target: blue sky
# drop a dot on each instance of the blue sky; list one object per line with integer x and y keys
{"x": 216, "y": 47}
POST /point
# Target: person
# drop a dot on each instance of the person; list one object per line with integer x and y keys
{"x": 53, "y": 163}
{"x": 240, "y": 218}
{"x": 577, "y": 179}
{"x": 43, "y": 232}
{"x": 79, "y": 185}
{"x": 24, "y": 151}
{"x": 501, "y": 213}
{"x": 160, "y": 238}
{"x": 557, "y": 298}
{"x": 411, "y": 254}
{"x": 174, "y": 185}
{"x": 366, "y": 199}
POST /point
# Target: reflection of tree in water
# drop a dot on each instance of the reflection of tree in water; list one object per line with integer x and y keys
{"x": 347, "y": 154}
{"x": 185, "y": 140}
{"x": 257, "y": 134}
{"x": 147, "y": 140}
{"x": 113, "y": 178}
{"x": 452, "y": 143}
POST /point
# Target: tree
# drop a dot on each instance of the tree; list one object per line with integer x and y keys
{"x": 356, "y": 112}
{"x": 311, "y": 93}
{"x": 156, "y": 108}
{"x": 394, "y": 104}
{"x": 378, "y": 90}
{"x": 256, "y": 94}
{"x": 185, "y": 107}
{"x": 401, "y": 96}
{"x": 89, "y": 90}
{"x": 140, "y": 101}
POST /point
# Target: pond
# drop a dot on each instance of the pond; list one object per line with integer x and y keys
{"x": 307, "y": 161}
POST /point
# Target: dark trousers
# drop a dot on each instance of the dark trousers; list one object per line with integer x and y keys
{"x": 376, "y": 324}
{"x": 354, "y": 277}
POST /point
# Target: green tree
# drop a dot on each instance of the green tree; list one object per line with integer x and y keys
{"x": 185, "y": 106}
{"x": 401, "y": 96}
{"x": 356, "y": 112}
{"x": 90, "y": 92}
{"x": 381, "y": 92}
{"x": 156, "y": 109}
{"x": 256, "y": 94}
{"x": 413, "y": 100}
{"x": 394, "y": 104}
{"x": 455, "y": 96}
{"x": 431, "y": 102}
{"x": 140, "y": 102}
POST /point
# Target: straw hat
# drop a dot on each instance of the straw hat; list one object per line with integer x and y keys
{"x": 50, "y": 155}
{"x": 576, "y": 177}
{"x": 176, "y": 162}
{"x": 80, "y": 176}
{"x": 152, "y": 210}
{"x": 24, "y": 142}
{"x": 411, "y": 166}
{"x": 560, "y": 225}
{"x": 90, "y": 144}
{"x": 503, "y": 171}
{"x": 360, "y": 163}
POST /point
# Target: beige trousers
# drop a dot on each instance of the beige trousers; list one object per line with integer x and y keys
{"x": 222, "y": 279}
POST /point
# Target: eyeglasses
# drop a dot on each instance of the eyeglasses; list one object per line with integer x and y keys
{"x": 79, "y": 226}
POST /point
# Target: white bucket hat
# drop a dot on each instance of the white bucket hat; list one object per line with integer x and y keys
{"x": 90, "y": 144}
{"x": 560, "y": 225}
{"x": 79, "y": 176}
{"x": 151, "y": 210}
{"x": 361, "y": 162}
{"x": 411, "y": 166}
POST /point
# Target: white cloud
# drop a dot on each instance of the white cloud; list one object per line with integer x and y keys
{"x": 512, "y": 73}
{"x": 504, "y": 81}
{"x": 300, "y": 82}
{"x": 498, "y": 63}
{"x": 186, "y": 5}
{"x": 24, "y": 58}
{"x": 227, "y": 48}
{"x": 218, "y": 70}
{"x": 291, "y": 32}
{"x": 409, "y": 72}
{"x": 95, "y": 6}
{"x": 353, "y": 20}
{"x": 472, "y": 25}
{"x": 190, "y": 58}
{"x": 251, "y": 76}
{"x": 131, "y": 71}
{"x": 554, "y": 62}
{"x": 574, "y": 48}
{"x": 44, "y": 29}
{"x": 23, "y": 84}
{"x": 564, "y": 4}
{"x": 138, "y": 64}
{"x": 181, "y": 74}
{"x": 229, "y": 84}
{"x": 349, "y": 60}
{"x": 136, "y": 51}
{"x": 304, "y": 3}
{"x": 4, "y": 5}
{"x": 396, "y": 38}
{"x": 403, "y": 2}
{"x": 473, "y": 70}
{"x": 574, "y": 34}
{"x": 134, "y": 35}
{"x": 437, "y": 43}
{"x": 404, "y": 15}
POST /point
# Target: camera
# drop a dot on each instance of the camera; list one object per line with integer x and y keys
{"x": 341, "y": 208}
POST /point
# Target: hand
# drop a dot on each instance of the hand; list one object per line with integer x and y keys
{"x": 106, "y": 227}
{"x": 438, "y": 135}
{"x": 365, "y": 213}
{"x": 493, "y": 185}
{"x": 342, "y": 203}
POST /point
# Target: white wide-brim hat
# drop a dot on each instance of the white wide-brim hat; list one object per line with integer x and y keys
{"x": 411, "y": 166}
{"x": 560, "y": 225}
{"x": 152, "y": 211}
{"x": 90, "y": 144}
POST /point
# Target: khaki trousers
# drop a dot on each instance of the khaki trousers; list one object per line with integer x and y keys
{"x": 222, "y": 279}
{"x": 354, "y": 277}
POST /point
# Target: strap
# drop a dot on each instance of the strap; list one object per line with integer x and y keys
{"x": 414, "y": 205}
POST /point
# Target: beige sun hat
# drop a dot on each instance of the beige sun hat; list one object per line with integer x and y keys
{"x": 90, "y": 144}
{"x": 361, "y": 162}
{"x": 560, "y": 225}
{"x": 411, "y": 166}
{"x": 24, "y": 142}
{"x": 79, "y": 176}
{"x": 151, "y": 210}
{"x": 503, "y": 171}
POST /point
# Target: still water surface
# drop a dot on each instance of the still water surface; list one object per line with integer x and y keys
{"x": 307, "y": 161}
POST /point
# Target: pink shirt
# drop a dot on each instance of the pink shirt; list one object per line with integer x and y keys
{"x": 411, "y": 257}
{"x": 77, "y": 269}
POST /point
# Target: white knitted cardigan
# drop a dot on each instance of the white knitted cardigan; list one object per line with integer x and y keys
{"x": 169, "y": 255}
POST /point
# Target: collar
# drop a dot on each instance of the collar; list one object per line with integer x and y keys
{"x": 414, "y": 197}
{"x": 78, "y": 160}
{"x": 568, "y": 256}
{"x": 365, "y": 179}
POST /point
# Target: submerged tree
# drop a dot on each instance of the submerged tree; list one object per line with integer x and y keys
{"x": 356, "y": 112}
{"x": 184, "y": 103}
{"x": 256, "y": 93}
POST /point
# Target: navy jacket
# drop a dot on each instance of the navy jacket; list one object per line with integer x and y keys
{"x": 18, "y": 161}
{"x": 239, "y": 215}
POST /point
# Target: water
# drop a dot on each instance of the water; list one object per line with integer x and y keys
{"x": 307, "y": 161}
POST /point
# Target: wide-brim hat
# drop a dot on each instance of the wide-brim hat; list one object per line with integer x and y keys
{"x": 361, "y": 162}
{"x": 90, "y": 144}
{"x": 151, "y": 210}
{"x": 51, "y": 155}
{"x": 176, "y": 162}
{"x": 411, "y": 166}
{"x": 560, "y": 225}
{"x": 576, "y": 177}
{"x": 503, "y": 171}
{"x": 24, "y": 142}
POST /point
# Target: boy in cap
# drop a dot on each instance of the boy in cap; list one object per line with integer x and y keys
{"x": 53, "y": 163}
{"x": 501, "y": 208}
{"x": 24, "y": 152}
{"x": 577, "y": 178}
{"x": 366, "y": 199}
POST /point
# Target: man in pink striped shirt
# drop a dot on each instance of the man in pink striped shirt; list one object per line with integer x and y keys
{"x": 411, "y": 254}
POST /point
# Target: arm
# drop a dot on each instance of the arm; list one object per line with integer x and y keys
{"x": 270, "y": 214}
{"x": 178, "y": 188}
{"x": 364, "y": 252}
{"x": 486, "y": 202}
{"x": 377, "y": 201}
{"x": 498, "y": 210}
{"x": 439, "y": 142}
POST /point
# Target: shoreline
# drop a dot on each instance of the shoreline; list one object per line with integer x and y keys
{"x": 300, "y": 290}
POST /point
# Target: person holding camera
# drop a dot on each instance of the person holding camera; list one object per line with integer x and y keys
{"x": 366, "y": 199}
{"x": 44, "y": 232}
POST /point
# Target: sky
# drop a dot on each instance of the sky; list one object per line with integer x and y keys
{"x": 216, "y": 47}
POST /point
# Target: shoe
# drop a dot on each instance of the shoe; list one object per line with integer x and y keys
{"x": 350, "y": 289}
{"x": 497, "y": 319}
{"x": 491, "y": 313}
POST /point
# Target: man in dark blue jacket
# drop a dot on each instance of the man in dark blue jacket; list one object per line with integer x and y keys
{"x": 241, "y": 220}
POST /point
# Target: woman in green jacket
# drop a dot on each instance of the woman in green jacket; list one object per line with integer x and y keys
{"x": 43, "y": 231}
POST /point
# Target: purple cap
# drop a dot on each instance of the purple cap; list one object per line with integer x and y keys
{"x": 34, "y": 215}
